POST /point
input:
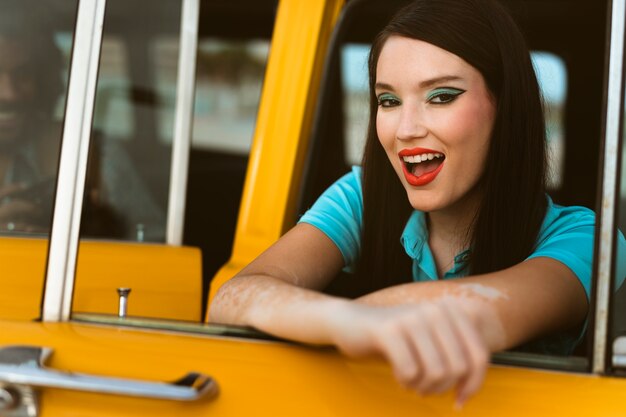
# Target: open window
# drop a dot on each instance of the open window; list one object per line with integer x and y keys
{"x": 570, "y": 66}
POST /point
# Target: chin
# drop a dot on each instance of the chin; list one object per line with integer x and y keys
{"x": 423, "y": 201}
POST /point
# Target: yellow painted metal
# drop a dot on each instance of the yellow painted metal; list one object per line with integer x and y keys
{"x": 299, "y": 44}
{"x": 276, "y": 379}
{"x": 166, "y": 281}
{"x": 23, "y": 263}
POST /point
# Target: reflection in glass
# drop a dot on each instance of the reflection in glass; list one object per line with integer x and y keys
{"x": 128, "y": 171}
{"x": 33, "y": 78}
{"x": 31, "y": 85}
{"x": 228, "y": 89}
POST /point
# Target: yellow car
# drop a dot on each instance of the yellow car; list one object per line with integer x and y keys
{"x": 149, "y": 149}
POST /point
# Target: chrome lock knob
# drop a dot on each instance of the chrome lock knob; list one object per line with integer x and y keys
{"x": 123, "y": 305}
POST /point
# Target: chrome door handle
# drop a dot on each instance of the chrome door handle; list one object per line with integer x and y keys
{"x": 23, "y": 366}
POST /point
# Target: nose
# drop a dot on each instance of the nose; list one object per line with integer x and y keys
{"x": 411, "y": 124}
{"x": 8, "y": 87}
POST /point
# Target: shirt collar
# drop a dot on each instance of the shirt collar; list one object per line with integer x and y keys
{"x": 415, "y": 234}
{"x": 414, "y": 239}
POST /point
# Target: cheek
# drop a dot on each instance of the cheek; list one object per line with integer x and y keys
{"x": 470, "y": 127}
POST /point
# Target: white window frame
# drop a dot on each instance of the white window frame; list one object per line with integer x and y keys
{"x": 609, "y": 187}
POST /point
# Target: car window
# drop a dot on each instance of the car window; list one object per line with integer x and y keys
{"x": 128, "y": 171}
{"x": 228, "y": 89}
{"x": 618, "y": 313}
{"x": 125, "y": 208}
{"x": 570, "y": 70}
{"x": 33, "y": 82}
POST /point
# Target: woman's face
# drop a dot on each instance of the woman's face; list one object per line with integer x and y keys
{"x": 434, "y": 120}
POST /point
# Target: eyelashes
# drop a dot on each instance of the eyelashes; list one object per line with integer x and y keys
{"x": 388, "y": 100}
{"x": 443, "y": 95}
{"x": 438, "y": 96}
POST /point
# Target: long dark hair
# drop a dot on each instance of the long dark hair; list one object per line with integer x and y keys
{"x": 512, "y": 188}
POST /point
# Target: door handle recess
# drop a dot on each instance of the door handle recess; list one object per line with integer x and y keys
{"x": 23, "y": 367}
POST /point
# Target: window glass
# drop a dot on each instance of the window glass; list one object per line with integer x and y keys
{"x": 127, "y": 186}
{"x": 128, "y": 168}
{"x": 35, "y": 39}
{"x": 128, "y": 173}
{"x": 233, "y": 48}
{"x": 228, "y": 90}
{"x": 552, "y": 77}
{"x": 619, "y": 301}
{"x": 114, "y": 108}
{"x": 229, "y": 77}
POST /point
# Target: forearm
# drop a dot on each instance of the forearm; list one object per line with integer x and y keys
{"x": 431, "y": 346}
{"x": 534, "y": 298}
{"x": 479, "y": 302}
{"x": 279, "y": 308}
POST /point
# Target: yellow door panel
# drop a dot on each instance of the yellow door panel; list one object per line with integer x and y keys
{"x": 23, "y": 263}
{"x": 166, "y": 281}
{"x": 258, "y": 378}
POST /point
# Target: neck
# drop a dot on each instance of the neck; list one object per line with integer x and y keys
{"x": 453, "y": 225}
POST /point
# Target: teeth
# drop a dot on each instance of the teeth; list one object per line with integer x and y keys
{"x": 416, "y": 159}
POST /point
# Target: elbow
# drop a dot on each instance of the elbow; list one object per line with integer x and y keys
{"x": 224, "y": 307}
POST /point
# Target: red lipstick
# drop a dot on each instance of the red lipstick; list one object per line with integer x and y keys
{"x": 426, "y": 177}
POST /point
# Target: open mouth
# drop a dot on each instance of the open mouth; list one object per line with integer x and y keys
{"x": 421, "y": 166}
{"x": 418, "y": 165}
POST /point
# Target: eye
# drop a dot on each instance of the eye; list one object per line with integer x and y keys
{"x": 444, "y": 95}
{"x": 388, "y": 100}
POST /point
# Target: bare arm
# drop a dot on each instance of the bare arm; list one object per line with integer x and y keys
{"x": 512, "y": 306}
{"x": 435, "y": 335}
{"x": 279, "y": 291}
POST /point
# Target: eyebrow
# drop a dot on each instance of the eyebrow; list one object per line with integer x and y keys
{"x": 423, "y": 84}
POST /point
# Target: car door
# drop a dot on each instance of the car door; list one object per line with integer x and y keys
{"x": 155, "y": 334}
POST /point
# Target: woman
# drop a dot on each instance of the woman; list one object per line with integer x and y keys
{"x": 453, "y": 176}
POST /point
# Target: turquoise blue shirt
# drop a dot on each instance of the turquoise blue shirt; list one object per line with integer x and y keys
{"x": 566, "y": 235}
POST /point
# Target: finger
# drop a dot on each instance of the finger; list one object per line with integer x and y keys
{"x": 434, "y": 372}
{"x": 397, "y": 350}
{"x": 477, "y": 353}
{"x": 450, "y": 345}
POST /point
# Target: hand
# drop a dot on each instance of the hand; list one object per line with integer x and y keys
{"x": 18, "y": 214}
{"x": 431, "y": 346}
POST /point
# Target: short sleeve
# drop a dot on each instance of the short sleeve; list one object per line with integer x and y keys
{"x": 567, "y": 235}
{"x": 338, "y": 212}
{"x": 620, "y": 260}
